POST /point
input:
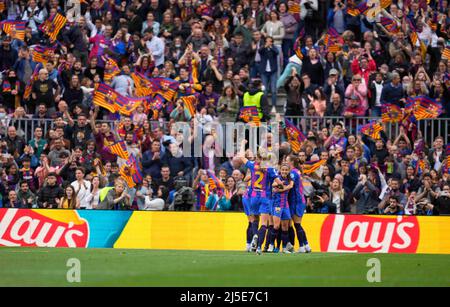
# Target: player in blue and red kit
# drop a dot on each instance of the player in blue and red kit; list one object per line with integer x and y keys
{"x": 258, "y": 201}
{"x": 252, "y": 215}
{"x": 297, "y": 203}
{"x": 280, "y": 211}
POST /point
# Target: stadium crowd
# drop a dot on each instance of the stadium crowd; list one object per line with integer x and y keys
{"x": 327, "y": 58}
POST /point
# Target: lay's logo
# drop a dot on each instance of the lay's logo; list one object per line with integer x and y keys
{"x": 369, "y": 234}
{"x": 43, "y": 228}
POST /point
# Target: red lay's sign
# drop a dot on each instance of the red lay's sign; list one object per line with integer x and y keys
{"x": 44, "y": 228}
{"x": 369, "y": 234}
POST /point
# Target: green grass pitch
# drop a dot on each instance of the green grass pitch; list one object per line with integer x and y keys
{"x": 119, "y": 267}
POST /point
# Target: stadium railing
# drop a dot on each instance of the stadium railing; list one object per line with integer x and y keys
{"x": 430, "y": 128}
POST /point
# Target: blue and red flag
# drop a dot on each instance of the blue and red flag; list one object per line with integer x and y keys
{"x": 14, "y": 28}
{"x": 53, "y": 25}
{"x": 294, "y": 135}
{"x": 391, "y": 113}
{"x": 371, "y": 129}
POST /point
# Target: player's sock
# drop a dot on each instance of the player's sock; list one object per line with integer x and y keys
{"x": 300, "y": 234}
{"x": 269, "y": 237}
{"x": 254, "y": 228}
{"x": 285, "y": 238}
{"x": 249, "y": 233}
{"x": 291, "y": 235}
{"x": 305, "y": 240}
{"x": 279, "y": 238}
{"x": 261, "y": 235}
{"x": 273, "y": 235}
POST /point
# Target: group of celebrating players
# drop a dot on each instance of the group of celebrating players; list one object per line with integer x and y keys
{"x": 274, "y": 200}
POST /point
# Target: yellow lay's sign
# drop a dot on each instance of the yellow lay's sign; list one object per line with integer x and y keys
{"x": 326, "y": 232}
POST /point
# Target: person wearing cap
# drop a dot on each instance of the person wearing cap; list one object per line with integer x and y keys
{"x": 354, "y": 107}
{"x": 334, "y": 85}
{"x": 359, "y": 89}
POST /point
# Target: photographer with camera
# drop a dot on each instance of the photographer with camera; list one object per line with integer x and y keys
{"x": 442, "y": 202}
{"x": 319, "y": 201}
{"x": 424, "y": 207}
{"x": 184, "y": 197}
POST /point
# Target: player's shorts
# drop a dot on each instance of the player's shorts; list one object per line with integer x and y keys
{"x": 254, "y": 204}
{"x": 282, "y": 213}
{"x": 265, "y": 206}
{"x": 246, "y": 205}
{"x": 297, "y": 209}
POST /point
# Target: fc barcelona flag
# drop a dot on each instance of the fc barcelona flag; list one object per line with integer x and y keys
{"x": 446, "y": 53}
{"x": 127, "y": 105}
{"x": 214, "y": 182}
{"x": 189, "y": 104}
{"x": 53, "y": 25}
{"x": 390, "y": 113}
{"x": 33, "y": 78}
{"x": 157, "y": 103}
{"x": 144, "y": 87}
{"x": 294, "y": 8}
{"x": 111, "y": 69}
{"x": 448, "y": 158}
{"x": 131, "y": 172}
{"x": 42, "y": 54}
{"x": 372, "y": 129}
{"x": 426, "y": 107}
{"x": 166, "y": 87}
{"x": 105, "y": 96}
{"x": 352, "y": 10}
{"x": 250, "y": 115}
{"x": 389, "y": 24}
{"x": 14, "y": 28}
{"x": 120, "y": 149}
{"x": 294, "y": 135}
{"x": 310, "y": 167}
{"x": 385, "y": 3}
{"x": 298, "y": 48}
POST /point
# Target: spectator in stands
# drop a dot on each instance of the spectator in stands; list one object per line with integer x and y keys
{"x": 116, "y": 198}
{"x": 50, "y": 195}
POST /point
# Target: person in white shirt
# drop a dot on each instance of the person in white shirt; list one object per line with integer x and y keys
{"x": 82, "y": 188}
{"x": 34, "y": 16}
{"x": 94, "y": 196}
{"x": 156, "y": 47}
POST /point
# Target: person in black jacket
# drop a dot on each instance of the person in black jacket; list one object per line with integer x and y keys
{"x": 50, "y": 195}
{"x": 134, "y": 21}
{"x": 442, "y": 202}
{"x": 73, "y": 38}
{"x": 179, "y": 165}
{"x": 8, "y": 56}
{"x": 73, "y": 95}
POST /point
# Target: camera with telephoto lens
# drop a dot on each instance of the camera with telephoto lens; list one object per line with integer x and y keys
{"x": 316, "y": 200}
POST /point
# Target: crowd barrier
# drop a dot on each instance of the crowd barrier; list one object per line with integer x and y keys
{"x": 217, "y": 231}
{"x": 430, "y": 128}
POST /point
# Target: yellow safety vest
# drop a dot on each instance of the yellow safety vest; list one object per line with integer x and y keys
{"x": 254, "y": 101}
